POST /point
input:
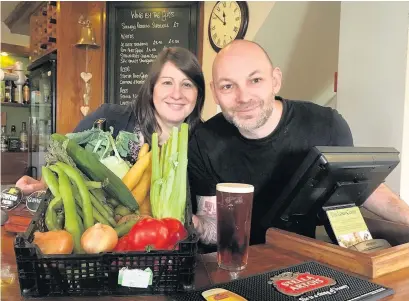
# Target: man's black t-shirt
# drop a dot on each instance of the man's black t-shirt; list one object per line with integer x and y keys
{"x": 219, "y": 153}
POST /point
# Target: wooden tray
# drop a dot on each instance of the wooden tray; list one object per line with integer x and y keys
{"x": 371, "y": 265}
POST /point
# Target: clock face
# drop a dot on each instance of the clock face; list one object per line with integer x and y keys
{"x": 228, "y": 21}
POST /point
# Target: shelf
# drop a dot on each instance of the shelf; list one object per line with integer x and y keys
{"x": 41, "y": 105}
{"x": 16, "y": 105}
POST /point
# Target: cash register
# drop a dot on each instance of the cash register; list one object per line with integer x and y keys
{"x": 329, "y": 186}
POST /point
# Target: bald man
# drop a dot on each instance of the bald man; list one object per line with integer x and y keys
{"x": 261, "y": 139}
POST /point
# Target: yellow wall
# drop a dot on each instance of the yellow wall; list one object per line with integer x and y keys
{"x": 258, "y": 11}
{"x": 9, "y": 61}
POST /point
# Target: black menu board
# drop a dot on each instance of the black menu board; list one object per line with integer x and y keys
{"x": 137, "y": 32}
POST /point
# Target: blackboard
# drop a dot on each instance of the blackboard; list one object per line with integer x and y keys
{"x": 137, "y": 32}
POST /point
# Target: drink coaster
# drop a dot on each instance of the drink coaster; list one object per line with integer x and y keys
{"x": 303, "y": 282}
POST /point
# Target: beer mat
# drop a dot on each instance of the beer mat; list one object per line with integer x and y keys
{"x": 304, "y": 282}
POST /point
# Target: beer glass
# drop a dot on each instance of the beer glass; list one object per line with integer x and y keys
{"x": 234, "y": 207}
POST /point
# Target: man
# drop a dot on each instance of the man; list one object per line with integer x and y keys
{"x": 261, "y": 139}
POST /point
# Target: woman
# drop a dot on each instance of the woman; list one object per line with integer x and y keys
{"x": 173, "y": 93}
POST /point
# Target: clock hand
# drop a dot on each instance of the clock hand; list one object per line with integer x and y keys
{"x": 220, "y": 19}
{"x": 224, "y": 18}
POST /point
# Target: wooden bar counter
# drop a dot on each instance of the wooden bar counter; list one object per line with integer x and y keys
{"x": 262, "y": 258}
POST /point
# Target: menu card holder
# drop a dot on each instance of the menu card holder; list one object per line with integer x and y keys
{"x": 371, "y": 265}
{"x": 349, "y": 230}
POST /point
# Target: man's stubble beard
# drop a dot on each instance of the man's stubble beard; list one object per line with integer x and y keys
{"x": 261, "y": 120}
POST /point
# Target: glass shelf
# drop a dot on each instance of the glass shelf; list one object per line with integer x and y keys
{"x": 16, "y": 105}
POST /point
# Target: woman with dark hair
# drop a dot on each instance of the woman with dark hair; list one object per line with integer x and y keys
{"x": 173, "y": 93}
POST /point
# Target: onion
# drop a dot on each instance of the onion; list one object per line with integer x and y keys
{"x": 99, "y": 238}
{"x": 54, "y": 242}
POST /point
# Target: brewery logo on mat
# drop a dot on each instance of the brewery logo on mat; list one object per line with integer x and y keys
{"x": 296, "y": 284}
{"x": 11, "y": 198}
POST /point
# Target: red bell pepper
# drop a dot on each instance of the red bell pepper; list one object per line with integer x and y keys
{"x": 122, "y": 244}
{"x": 148, "y": 233}
{"x": 177, "y": 231}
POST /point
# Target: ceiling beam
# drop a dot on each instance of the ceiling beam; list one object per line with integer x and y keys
{"x": 16, "y": 50}
{"x": 21, "y": 14}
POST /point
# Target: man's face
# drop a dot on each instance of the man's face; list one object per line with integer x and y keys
{"x": 244, "y": 86}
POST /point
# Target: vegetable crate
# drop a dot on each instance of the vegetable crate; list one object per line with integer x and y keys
{"x": 97, "y": 274}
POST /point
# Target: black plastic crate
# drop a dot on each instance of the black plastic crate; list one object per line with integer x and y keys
{"x": 97, "y": 274}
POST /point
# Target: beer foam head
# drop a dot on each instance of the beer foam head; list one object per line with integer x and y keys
{"x": 235, "y": 187}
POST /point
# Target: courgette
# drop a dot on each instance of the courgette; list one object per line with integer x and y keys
{"x": 96, "y": 171}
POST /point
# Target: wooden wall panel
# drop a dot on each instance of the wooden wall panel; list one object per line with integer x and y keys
{"x": 71, "y": 61}
{"x": 97, "y": 16}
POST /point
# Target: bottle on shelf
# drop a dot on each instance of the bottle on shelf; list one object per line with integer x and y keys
{"x": 14, "y": 141}
{"x": 14, "y": 92}
{"x": 33, "y": 138}
{"x": 2, "y": 85}
{"x": 26, "y": 91}
{"x": 4, "y": 142}
{"x": 23, "y": 137}
{"x": 8, "y": 89}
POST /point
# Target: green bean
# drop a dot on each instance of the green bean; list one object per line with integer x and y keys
{"x": 109, "y": 208}
{"x": 101, "y": 209}
{"x": 99, "y": 195}
{"x": 51, "y": 214}
{"x": 71, "y": 220}
{"x": 80, "y": 224}
{"x": 113, "y": 202}
{"x": 97, "y": 216}
{"x": 60, "y": 220}
{"x": 84, "y": 193}
{"x": 79, "y": 210}
{"x": 125, "y": 227}
{"x": 56, "y": 203}
{"x": 51, "y": 181}
{"x": 93, "y": 184}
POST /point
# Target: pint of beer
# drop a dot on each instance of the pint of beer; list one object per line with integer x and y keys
{"x": 234, "y": 206}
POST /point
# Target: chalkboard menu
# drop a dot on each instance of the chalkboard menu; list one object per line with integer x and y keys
{"x": 137, "y": 32}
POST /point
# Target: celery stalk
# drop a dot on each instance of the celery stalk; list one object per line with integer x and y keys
{"x": 168, "y": 190}
{"x": 155, "y": 158}
{"x": 167, "y": 154}
{"x": 171, "y": 157}
{"x": 164, "y": 150}
{"x": 161, "y": 159}
{"x": 156, "y": 177}
{"x": 178, "y": 196}
{"x": 175, "y": 141}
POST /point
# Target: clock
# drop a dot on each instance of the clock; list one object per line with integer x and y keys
{"x": 228, "y": 22}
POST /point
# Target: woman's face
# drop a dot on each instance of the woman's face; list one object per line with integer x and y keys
{"x": 174, "y": 95}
